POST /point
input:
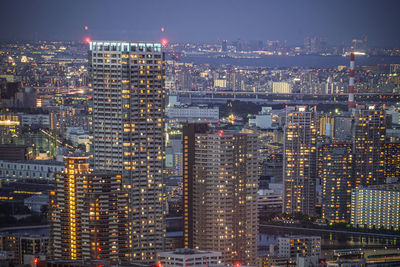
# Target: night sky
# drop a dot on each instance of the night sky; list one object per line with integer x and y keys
{"x": 202, "y": 20}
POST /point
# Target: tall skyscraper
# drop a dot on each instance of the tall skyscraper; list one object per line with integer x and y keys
{"x": 189, "y": 134}
{"x": 128, "y": 132}
{"x": 299, "y": 163}
{"x": 368, "y": 145}
{"x": 336, "y": 174}
{"x": 221, "y": 186}
{"x": 89, "y": 215}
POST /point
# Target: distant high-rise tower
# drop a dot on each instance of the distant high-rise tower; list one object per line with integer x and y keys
{"x": 128, "y": 132}
{"x": 351, "y": 81}
{"x": 299, "y": 163}
{"x": 88, "y": 215}
{"x": 220, "y": 184}
{"x": 369, "y": 145}
{"x": 224, "y": 46}
{"x": 336, "y": 174}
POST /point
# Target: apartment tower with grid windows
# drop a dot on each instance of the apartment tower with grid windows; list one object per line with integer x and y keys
{"x": 220, "y": 185}
{"x": 369, "y": 135}
{"x": 88, "y": 214}
{"x": 127, "y": 125}
{"x": 299, "y": 162}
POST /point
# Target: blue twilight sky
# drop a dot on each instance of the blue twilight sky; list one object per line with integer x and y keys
{"x": 203, "y": 20}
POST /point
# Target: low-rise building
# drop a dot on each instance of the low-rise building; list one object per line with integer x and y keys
{"x": 29, "y": 169}
{"x": 192, "y": 113}
{"x": 295, "y": 246}
{"x": 269, "y": 202}
{"x": 35, "y": 120}
{"x": 19, "y": 245}
{"x": 189, "y": 257}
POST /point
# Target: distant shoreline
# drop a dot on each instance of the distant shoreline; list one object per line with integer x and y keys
{"x": 302, "y": 61}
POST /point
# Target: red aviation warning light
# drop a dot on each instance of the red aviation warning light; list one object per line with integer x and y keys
{"x": 86, "y": 28}
{"x": 162, "y": 29}
{"x": 87, "y": 39}
{"x": 164, "y": 41}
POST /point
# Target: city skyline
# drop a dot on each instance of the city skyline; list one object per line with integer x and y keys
{"x": 248, "y": 20}
{"x": 218, "y": 133}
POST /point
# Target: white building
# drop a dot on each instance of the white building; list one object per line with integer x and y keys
{"x": 299, "y": 246}
{"x": 29, "y": 169}
{"x": 78, "y": 136}
{"x": 376, "y": 206}
{"x": 193, "y": 113}
{"x": 261, "y": 121}
{"x": 189, "y": 257}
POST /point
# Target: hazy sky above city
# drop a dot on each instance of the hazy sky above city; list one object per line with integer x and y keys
{"x": 202, "y": 20}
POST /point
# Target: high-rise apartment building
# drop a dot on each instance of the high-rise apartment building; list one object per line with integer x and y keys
{"x": 89, "y": 215}
{"x": 376, "y": 206}
{"x": 368, "y": 145}
{"x": 220, "y": 184}
{"x": 189, "y": 134}
{"x": 128, "y": 132}
{"x": 336, "y": 174}
{"x": 299, "y": 162}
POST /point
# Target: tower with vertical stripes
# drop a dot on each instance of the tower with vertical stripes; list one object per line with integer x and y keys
{"x": 351, "y": 81}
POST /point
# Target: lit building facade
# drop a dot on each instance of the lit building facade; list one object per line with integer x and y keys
{"x": 392, "y": 160}
{"x": 376, "y": 206}
{"x": 299, "y": 162}
{"x": 291, "y": 246}
{"x": 368, "y": 147}
{"x": 281, "y": 88}
{"x": 336, "y": 176}
{"x": 326, "y": 125}
{"x": 224, "y": 180}
{"x": 89, "y": 215}
{"x": 9, "y": 124}
{"x": 128, "y": 118}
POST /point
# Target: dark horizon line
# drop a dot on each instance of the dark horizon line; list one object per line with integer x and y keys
{"x": 198, "y": 42}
